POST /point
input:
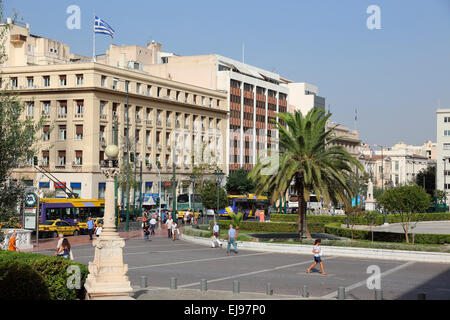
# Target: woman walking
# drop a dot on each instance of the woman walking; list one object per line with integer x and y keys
{"x": 64, "y": 251}
{"x": 317, "y": 250}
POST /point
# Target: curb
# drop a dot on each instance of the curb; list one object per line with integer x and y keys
{"x": 365, "y": 253}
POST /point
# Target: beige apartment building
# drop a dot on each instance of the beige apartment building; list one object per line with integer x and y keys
{"x": 80, "y": 103}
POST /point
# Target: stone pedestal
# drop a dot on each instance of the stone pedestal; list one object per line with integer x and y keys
{"x": 370, "y": 205}
{"x": 107, "y": 279}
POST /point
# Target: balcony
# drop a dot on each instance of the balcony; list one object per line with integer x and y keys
{"x": 103, "y": 117}
{"x": 62, "y": 116}
{"x": 79, "y": 115}
{"x": 103, "y": 142}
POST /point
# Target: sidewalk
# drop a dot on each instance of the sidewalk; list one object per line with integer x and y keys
{"x": 45, "y": 243}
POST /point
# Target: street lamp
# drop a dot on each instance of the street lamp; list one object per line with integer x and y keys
{"x": 193, "y": 176}
{"x": 219, "y": 174}
{"x": 107, "y": 277}
{"x": 382, "y": 178}
{"x": 445, "y": 183}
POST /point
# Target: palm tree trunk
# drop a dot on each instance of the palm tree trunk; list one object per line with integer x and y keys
{"x": 301, "y": 210}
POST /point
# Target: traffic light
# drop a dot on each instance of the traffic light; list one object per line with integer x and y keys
{"x": 35, "y": 160}
{"x": 131, "y": 157}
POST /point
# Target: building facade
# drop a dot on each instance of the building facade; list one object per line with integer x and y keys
{"x": 81, "y": 102}
{"x": 443, "y": 151}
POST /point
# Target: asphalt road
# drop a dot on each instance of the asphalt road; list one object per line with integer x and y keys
{"x": 161, "y": 259}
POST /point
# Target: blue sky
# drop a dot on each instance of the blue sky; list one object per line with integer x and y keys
{"x": 394, "y": 77}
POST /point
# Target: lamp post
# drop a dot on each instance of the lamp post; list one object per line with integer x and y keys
{"x": 382, "y": 178}
{"x": 107, "y": 277}
{"x": 193, "y": 176}
{"x": 445, "y": 183}
{"x": 219, "y": 174}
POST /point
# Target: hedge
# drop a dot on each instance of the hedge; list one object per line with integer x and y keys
{"x": 419, "y": 238}
{"x": 19, "y": 281}
{"x": 391, "y": 218}
{"x": 275, "y": 227}
{"x": 53, "y": 271}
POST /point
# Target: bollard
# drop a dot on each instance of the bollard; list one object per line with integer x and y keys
{"x": 143, "y": 281}
{"x": 421, "y": 296}
{"x": 341, "y": 293}
{"x": 173, "y": 283}
{"x": 378, "y": 294}
{"x": 236, "y": 288}
{"x": 305, "y": 293}
{"x": 203, "y": 285}
{"x": 269, "y": 290}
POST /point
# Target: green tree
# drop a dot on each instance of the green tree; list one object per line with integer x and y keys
{"x": 238, "y": 183}
{"x": 18, "y": 139}
{"x": 354, "y": 214}
{"x": 308, "y": 159}
{"x": 407, "y": 201}
{"x": 236, "y": 219}
{"x": 371, "y": 219}
{"x": 209, "y": 196}
{"x": 426, "y": 178}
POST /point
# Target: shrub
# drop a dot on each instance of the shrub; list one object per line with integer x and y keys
{"x": 19, "y": 281}
{"x": 53, "y": 271}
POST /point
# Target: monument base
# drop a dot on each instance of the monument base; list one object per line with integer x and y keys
{"x": 370, "y": 205}
{"x": 107, "y": 278}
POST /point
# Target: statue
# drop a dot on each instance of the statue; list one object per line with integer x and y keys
{"x": 370, "y": 201}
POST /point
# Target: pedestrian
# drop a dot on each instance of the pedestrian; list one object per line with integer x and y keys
{"x": 91, "y": 226}
{"x": 232, "y": 240}
{"x": 184, "y": 218}
{"x": 12, "y": 243}
{"x": 174, "y": 230}
{"x": 59, "y": 244}
{"x": 317, "y": 250}
{"x": 169, "y": 223}
{"x": 215, "y": 242}
{"x": 152, "y": 225}
{"x": 65, "y": 251}
{"x": 98, "y": 230}
{"x": 146, "y": 226}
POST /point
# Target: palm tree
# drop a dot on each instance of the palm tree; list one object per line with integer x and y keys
{"x": 308, "y": 159}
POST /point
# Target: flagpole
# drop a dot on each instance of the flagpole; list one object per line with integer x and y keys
{"x": 93, "y": 47}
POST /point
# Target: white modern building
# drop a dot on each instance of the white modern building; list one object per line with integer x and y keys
{"x": 443, "y": 150}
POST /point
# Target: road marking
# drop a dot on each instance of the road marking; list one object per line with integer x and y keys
{"x": 363, "y": 282}
{"x": 199, "y": 260}
{"x": 149, "y": 252}
{"x": 253, "y": 273}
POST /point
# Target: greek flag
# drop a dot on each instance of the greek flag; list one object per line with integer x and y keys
{"x": 101, "y": 27}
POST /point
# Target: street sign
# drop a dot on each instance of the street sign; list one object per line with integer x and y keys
{"x": 31, "y": 199}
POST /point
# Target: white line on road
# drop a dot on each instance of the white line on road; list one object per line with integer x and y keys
{"x": 254, "y": 272}
{"x": 148, "y": 252}
{"x": 363, "y": 282}
{"x": 199, "y": 260}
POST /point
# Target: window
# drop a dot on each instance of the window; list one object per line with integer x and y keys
{"x": 14, "y": 82}
{"x": 46, "y": 81}
{"x": 79, "y": 132}
{"x": 45, "y": 158}
{"x": 103, "y": 81}
{"x": 102, "y": 108}
{"x": 78, "y": 157}
{"x": 101, "y": 190}
{"x": 61, "y": 158}
{"x": 46, "y": 108}
{"x": 62, "y": 110}
{"x": 30, "y": 82}
{"x": 446, "y": 132}
{"x": 62, "y": 133}
{"x": 76, "y": 187}
{"x": 79, "y": 79}
{"x": 115, "y": 85}
{"x": 79, "y": 109}
{"x": 149, "y": 88}
{"x": 30, "y": 109}
{"x": 46, "y": 133}
{"x": 138, "y": 87}
{"x": 446, "y": 119}
{"x": 62, "y": 80}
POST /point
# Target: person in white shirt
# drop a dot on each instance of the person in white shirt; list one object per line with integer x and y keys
{"x": 152, "y": 225}
{"x": 174, "y": 229}
{"x": 215, "y": 236}
{"x": 59, "y": 245}
{"x": 98, "y": 231}
{"x": 317, "y": 250}
{"x": 169, "y": 223}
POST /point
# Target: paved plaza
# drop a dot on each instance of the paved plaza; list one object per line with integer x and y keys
{"x": 162, "y": 258}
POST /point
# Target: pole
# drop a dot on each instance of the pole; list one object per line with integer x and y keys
{"x": 93, "y": 42}
{"x": 135, "y": 168}
{"x": 140, "y": 190}
{"x": 445, "y": 184}
{"x": 128, "y": 162}
{"x": 174, "y": 189}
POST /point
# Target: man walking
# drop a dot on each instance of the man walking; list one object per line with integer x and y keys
{"x": 232, "y": 240}
{"x": 152, "y": 225}
{"x": 91, "y": 226}
{"x": 169, "y": 223}
{"x": 146, "y": 227}
{"x": 59, "y": 245}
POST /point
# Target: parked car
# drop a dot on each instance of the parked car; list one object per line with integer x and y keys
{"x": 51, "y": 228}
